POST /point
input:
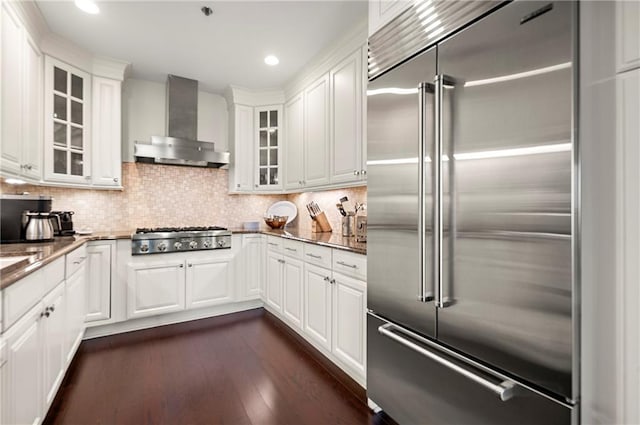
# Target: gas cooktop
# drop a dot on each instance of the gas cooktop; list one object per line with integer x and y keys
{"x": 161, "y": 240}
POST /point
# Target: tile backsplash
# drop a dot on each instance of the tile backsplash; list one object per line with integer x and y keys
{"x": 162, "y": 195}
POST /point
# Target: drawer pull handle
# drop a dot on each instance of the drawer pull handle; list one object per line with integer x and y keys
{"x": 272, "y": 244}
{"x": 342, "y": 263}
{"x": 280, "y": 261}
{"x": 291, "y": 249}
{"x": 319, "y": 257}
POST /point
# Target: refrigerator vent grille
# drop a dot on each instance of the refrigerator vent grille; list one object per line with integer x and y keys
{"x": 420, "y": 26}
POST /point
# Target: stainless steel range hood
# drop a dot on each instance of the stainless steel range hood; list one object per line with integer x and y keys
{"x": 180, "y": 146}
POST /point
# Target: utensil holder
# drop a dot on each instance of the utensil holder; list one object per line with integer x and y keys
{"x": 348, "y": 225}
{"x": 320, "y": 224}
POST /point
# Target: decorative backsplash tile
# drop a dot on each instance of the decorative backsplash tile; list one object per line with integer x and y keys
{"x": 163, "y": 195}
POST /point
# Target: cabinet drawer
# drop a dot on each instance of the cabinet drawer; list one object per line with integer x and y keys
{"x": 319, "y": 255}
{"x": 75, "y": 259}
{"x": 293, "y": 248}
{"x": 350, "y": 264}
{"x": 275, "y": 244}
{"x": 53, "y": 274}
{"x": 18, "y": 298}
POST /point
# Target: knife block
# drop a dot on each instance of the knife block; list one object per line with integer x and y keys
{"x": 320, "y": 224}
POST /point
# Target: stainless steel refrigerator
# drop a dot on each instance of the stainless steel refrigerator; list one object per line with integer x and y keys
{"x": 472, "y": 222}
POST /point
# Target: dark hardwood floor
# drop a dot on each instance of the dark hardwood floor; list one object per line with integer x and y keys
{"x": 242, "y": 368}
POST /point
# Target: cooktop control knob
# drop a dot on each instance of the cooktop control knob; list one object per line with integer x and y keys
{"x": 193, "y": 244}
{"x": 221, "y": 243}
{"x": 144, "y": 247}
{"x": 177, "y": 245}
{"x": 162, "y": 247}
{"x": 206, "y": 244}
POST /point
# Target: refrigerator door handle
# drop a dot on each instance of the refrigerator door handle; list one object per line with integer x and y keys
{"x": 505, "y": 389}
{"x": 426, "y": 293}
{"x": 441, "y": 82}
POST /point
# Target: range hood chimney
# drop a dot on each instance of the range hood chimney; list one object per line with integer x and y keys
{"x": 180, "y": 146}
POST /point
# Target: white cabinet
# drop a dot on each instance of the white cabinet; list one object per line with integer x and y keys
{"x": 381, "y": 12}
{"x": 22, "y": 399}
{"x": 21, "y": 83}
{"x": 346, "y": 120}
{"x": 67, "y": 145}
{"x": 316, "y": 132}
{"x": 106, "y": 132}
{"x": 241, "y": 170}
{"x": 100, "y": 259}
{"x": 54, "y": 333}
{"x": 155, "y": 287}
{"x": 251, "y": 264}
{"x": 627, "y": 35}
{"x": 75, "y": 300}
{"x": 209, "y": 282}
{"x": 292, "y": 285}
{"x": 317, "y": 305}
{"x": 349, "y": 322}
{"x": 273, "y": 283}
{"x": 294, "y": 151}
{"x": 268, "y": 148}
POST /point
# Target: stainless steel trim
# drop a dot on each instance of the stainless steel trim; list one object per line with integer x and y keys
{"x": 437, "y": 191}
{"x": 405, "y": 36}
{"x": 571, "y": 404}
{"x": 505, "y": 390}
{"x": 342, "y": 263}
{"x": 176, "y": 151}
{"x": 510, "y": 235}
{"x": 576, "y": 211}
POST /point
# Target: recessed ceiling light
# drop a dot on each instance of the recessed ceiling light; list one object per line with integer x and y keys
{"x": 88, "y": 6}
{"x": 271, "y": 60}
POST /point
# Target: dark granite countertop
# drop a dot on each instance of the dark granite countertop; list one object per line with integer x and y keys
{"x": 40, "y": 254}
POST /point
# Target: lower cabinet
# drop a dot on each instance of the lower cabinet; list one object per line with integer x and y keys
{"x": 39, "y": 346}
{"x": 54, "y": 331}
{"x": 252, "y": 270}
{"x": 99, "y": 262}
{"x": 292, "y": 285}
{"x": 317, "y": 305}
{"x": 155, "y": 287}
{"x": 273, "y": 295}
{"x": 349, "y": 321}
{"x": 21, "y": 392}
{"x": 75, "y": 299}
{"x": 209, "y": 282}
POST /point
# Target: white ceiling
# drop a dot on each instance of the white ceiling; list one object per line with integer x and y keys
{"x": 228, "y": 47}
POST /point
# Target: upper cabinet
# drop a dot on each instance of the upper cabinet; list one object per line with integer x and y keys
{"x": 381, "y": 12}
{"x": 316, "y": 132}
{"x": 255, "y": 140}
{"x": 21, "y": 85}
{"x": 82, "y": 127}
{"x": 67, "y": 116}
{"x": 325, "y": 143}
{"x": 269, "y": 147}
{"x": 61, "y": 107}
{"x": 347, "y": 104}
{"x": 628, "y": 35}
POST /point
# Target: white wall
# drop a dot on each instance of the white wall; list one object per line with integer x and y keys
{"x": 144, "y": 115}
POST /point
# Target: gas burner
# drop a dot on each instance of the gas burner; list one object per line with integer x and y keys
{"x": 178, "y": 239}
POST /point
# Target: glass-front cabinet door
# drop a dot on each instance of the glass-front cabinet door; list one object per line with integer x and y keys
{"x": 67, "y": 103}
{"x": 269, "y": 148}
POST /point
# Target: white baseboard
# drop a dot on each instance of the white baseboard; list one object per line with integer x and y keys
{"x": 168, "y": 319}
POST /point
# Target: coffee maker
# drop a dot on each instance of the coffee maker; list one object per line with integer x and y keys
{"x": 63, "y": 223}
{"x": 12, "y": 207}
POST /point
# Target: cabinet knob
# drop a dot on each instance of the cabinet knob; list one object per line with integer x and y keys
{"x": 115, "y": 180}
{"x": 181, "y": 266}
{"x": 326, "y": 279}
{"x": 356, "y": 173}
{"x": 88, "y": 177}
{"x": 256, "y": 185}
{"x": 52, "y": 308}
{"x": 190, "y": 265}
{"x": 332, "y": 281}
{"x": 238, "y": 185}
{"x": 363, "y": 172}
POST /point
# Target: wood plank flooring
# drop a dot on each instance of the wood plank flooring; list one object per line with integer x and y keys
{"x": 241, "y": 368}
